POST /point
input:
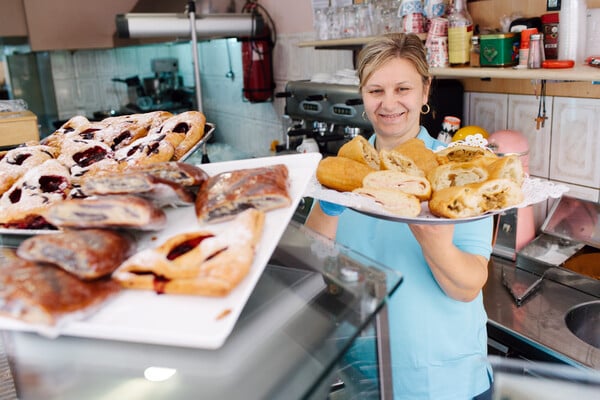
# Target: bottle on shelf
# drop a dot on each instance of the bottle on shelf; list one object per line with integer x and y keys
{"x": 460, "y": 31}
{"x": 450, "y": 125}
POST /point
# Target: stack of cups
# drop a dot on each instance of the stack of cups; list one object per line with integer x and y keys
{"x": 411, "y": 12}
{"x": 437, "y": 43}
{"x": 572, "y": 30}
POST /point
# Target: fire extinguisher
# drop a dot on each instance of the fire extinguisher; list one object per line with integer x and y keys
{"x": 257, "y": 57}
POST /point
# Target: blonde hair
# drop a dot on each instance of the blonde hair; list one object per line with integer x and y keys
{"x": 389, "y": 46}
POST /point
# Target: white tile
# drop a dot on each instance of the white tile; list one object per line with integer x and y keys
{"x": 62, "y": 65}
{"x": 85, "y": 64}
{"x": 91, "y": 98}
{"x": 127, "y": 62}
{"x": 575, "y": 141}
{"x": 66, "y": 93}
{"x": 106, "y": 63}
{"x": 522, "y": 111}
{"x": 488, "y": 110}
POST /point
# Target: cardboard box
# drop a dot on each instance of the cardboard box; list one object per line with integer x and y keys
{"x": 18, "y": 127}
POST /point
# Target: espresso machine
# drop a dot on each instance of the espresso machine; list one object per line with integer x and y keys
{"x": 328, "y": 113}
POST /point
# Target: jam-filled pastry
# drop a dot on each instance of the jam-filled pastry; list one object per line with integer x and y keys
{"x": 42, "y": 294}
{"x": 79, "y": 154}
{"x": 184, "y": 131}
{"x": 87, "y": 253}
{"x": 71, "y": 128}
{"x": 118, "y": 211}
{"x": 161, "y": 192}
{"x": 16, "y": 162}
{"x": 227, "y": 194}
{"x": 206, "y": 263}
{"x": 120, "y": 131}
{"x": 23, "y": 205}
{"x": 150, "y": 149}
{"x": 176, "y": 171}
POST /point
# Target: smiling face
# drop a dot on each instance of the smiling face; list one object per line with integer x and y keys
{"x": 393, "y": 96}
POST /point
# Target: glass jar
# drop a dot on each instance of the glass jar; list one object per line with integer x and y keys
{"x": 460, "y": 31}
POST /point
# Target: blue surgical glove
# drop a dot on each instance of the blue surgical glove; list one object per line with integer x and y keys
{"x": 331, "y": 209}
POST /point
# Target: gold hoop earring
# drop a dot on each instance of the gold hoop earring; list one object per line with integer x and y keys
{"x": 364, "y": 116}
{"x": 425, "y": 109}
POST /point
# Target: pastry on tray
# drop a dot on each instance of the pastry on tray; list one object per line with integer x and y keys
{"x": 161, "y": 192}
{"x": 45, "y": 295}
{"x": 205, "y": 262}
{"x": 24, "y": 204}
{"x": 227, "y": 194}
{"x": 88, "y": 253}
{"x": 111, "y": 212}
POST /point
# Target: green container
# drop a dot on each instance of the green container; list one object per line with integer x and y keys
{"x": 499, "y": 49}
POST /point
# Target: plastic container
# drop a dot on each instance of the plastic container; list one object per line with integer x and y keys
{"x": 499, "y": 49}
{"x": 550, "y": 32}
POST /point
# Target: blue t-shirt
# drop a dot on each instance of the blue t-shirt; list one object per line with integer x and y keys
{"x": 438, "y": 345}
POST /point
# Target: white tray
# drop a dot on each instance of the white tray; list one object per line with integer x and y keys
{"x": 191, "y": 321}
{"x": 534, "y": 191}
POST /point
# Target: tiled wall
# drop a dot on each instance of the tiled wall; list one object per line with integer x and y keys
{"x": 82, "y": 82}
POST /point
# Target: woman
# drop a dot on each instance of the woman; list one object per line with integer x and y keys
{"x": 437, "y": 319}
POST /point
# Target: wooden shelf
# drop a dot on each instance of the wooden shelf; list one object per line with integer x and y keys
{"x": 578, "y": 73}
{"x": 581, "y": 73}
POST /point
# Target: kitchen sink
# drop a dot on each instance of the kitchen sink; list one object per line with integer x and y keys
{"x": 583, "y": 321}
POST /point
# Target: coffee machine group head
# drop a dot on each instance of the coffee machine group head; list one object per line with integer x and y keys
{"x": 329, "y": 113}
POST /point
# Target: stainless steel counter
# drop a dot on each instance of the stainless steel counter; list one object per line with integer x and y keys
{"x": 540, "y": 320}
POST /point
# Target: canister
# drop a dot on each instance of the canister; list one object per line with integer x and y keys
{"x": 498, "y": 49}
{"x": 550, "y": 31}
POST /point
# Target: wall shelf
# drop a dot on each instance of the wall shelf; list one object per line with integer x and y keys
{"x": 581, "y": 73}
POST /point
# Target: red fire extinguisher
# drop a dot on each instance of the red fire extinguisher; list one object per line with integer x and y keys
{"x": 257, "y": 59}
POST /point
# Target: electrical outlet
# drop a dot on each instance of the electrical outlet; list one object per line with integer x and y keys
{"x": 552, "y": 5}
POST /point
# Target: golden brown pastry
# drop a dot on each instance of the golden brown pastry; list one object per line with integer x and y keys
{"x": 341, "y": 173}
{"x": 205, "y": 263}
{"x": 509, "y": 167}
{"x": 43, "y": 295}
{"x": 416, "y": 150}
{"x": 88, "y": 253}
{"x": 16, "y": 162}
{"x": 409, "y": 184}
{"x": 111, "y": 212}
{"x": 184, "y": 131}
{"x": 23, "y": 205}
{"x": 227, "y": 194}
{"x": 395, "y": 161}
{"x": 393, "y": 200}
{"x": 180, "y": 172}
{"x": 463, "y": 152}
{"x": 161, "y": 192}
{"x": 457, "y": 173}
{"x": 359, "y": 149}
{"x": 475, "y": 198}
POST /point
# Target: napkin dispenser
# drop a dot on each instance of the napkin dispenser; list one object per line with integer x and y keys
{"x": 570, "y": 241}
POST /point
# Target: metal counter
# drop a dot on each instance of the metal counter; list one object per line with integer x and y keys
{"x": 540, "y": 321}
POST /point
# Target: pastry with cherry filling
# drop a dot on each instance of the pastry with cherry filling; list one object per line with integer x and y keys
{"x": 16, "y": 162}
{"x": 24, "y": 204}
{"x": 206, "y": 262}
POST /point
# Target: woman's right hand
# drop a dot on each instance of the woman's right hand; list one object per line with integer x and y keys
{"x": 324, "y": 222}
